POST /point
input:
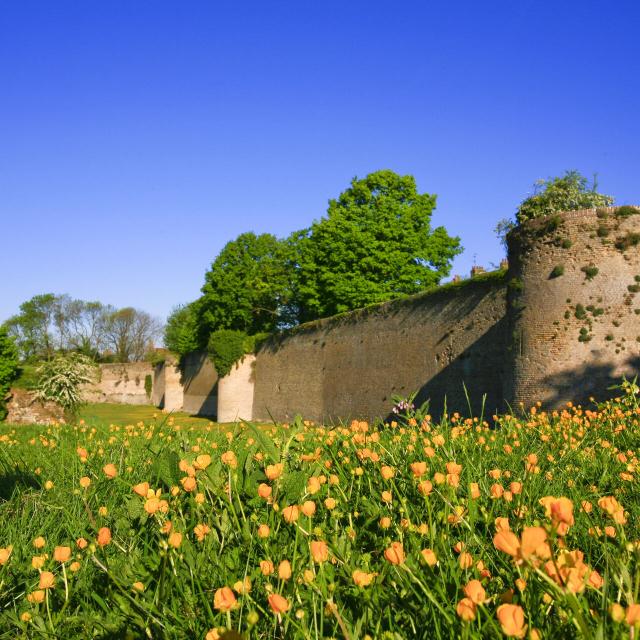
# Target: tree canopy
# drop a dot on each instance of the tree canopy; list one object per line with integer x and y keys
{"x": 376, "y": 243}
{"x": 246, "y": 288}
{"x": 9, "y": 366}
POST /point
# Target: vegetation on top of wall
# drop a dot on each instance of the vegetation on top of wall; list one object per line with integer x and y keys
{"x": 626, "y": 210}
{"x": 497, "y": 277}
{"x": 227, "y": 346}
{"x": 562, "y": 193}
{"x": 590, "y": 271}
{"x": 557, "y": 271}
{"x": 148, "y": 384}
{"x": 631, "y": 239}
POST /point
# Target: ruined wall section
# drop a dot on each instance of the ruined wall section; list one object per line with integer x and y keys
{"x": 351, "y": 366}
{"x": 574, "y": 295}
{"x": 122, "y": 383}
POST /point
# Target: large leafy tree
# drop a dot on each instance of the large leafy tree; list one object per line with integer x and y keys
{"x": 376, "y": 243}
{"x": 9, "y": 368}
{"x": 181, "y": 329}
{"x": 563, "y": 193}
{"x": 247, "y": 287}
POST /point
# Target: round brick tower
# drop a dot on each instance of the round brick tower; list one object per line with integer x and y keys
{"x": 574, "y": 305}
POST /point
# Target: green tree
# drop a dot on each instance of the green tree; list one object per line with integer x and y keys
{"x": 33, "y": 327}
{"x": 9, "y": 367}
{"x": 181, "y": 330}
{"x": 566, "y": 193}
{"x": 247, "y": 287}
{"x": 376, "y": 243}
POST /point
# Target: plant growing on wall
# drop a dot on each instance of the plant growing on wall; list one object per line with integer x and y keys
{"x": 9, "y": 369}
{"x": 60, "y": 380}
{"x": 565, "y": 193}
{"x": 225, "y": 348}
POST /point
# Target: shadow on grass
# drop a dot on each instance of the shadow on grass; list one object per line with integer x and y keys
{"x": 16, "y": 480}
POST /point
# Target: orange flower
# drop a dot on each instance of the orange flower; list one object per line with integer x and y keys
{"x": 229, "y": 458}
{"x": 224, "y": 599}
{"x": 507, "y": 542}
{"x": 319, "y": 550}
{"x": 264, "y": 531}
{"x": 291, "y": 513}
{"x": 465, "y": 560}
{"x": 362, "y": 578}
{"x": 104, "y": 536}
{"x": 85, "y": 482}
{"x": 633, "y": 615}
{"x": 330, "y": 503}
{"x": 274, "y": 471}
{"x": 188, "y": 483}
{"x": 511, "y": 618}
{"x": 534, "y": 542}
{"x": 313, "y": 485}
{"x": 39, "y": 542}
{"x": 385, "y": 522}
{"x": 496, "y": 491}
{"x": 175, "y": 539}
{"x": 141, "y": 489}
{"x": 387, "y": 472}
{"x": 62, "y": 554}
{"x": 308, "y": 508}
{"x": 278, "y": 604}
{"x": 502, "y": 524}
{"x": 284, "y": 570}
{"x": 474, "y": 490}
{"x": 613, "y": 508}
{"x": 560, "y": 511}
{"x": 453, "y": 468}
{"x": 5, "y": 552}
{"x": 266, "y": 567}
{"x": 418, "y": 468}
{"x": 201, "y": 531}
{"x": 264, "y": 491}
{"x": 36, "y": 597}
{"x": 395, "y": 553}
{"x": 425, "y": 487}
{"x": 429, "y": 557}
{"x": 47, "y": 580}
{"x": 466, "y": 609}
{"x": 81, "y": 543}
{"x": 110, "y": 471}
{"x": 475, "y": 592}
{"x": 387, "y": 497}
{"x": 202, "y": 462}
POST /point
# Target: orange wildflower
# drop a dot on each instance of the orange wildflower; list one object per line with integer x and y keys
{"x": 104, "y": 536}
{"x": 110, "y": 471}
{"x": 278, "y": 603}
{"x": 395, "y": 553}
{"x": 224, "y": 599}
{"x": 511, "y": 618}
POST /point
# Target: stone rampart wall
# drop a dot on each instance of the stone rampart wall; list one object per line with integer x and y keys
{"x": 120, "y": 383}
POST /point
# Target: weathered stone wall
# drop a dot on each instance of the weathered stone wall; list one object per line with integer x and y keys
{"x": 168, "y": 391}
{"x": 236, "y": 391}
{"x": 200, "y": 381}
{"x": 120, "y": 383}
{"x": 351, "y": 366}
{"x": 568, "y": 276}
{"x": 23, "y": 408}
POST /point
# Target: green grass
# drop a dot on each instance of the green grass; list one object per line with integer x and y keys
{"x": 149, "y": 526}
{"x": 123, "y": 414}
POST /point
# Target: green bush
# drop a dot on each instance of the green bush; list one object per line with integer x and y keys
{"x": 626, "y": 242}
{"x": 566, "y": 193}
{"x": 148, "y": 384}
{"x": 626, "y": 211}
{"x": 225, "y": 348}
{"x": 590, "y": 271}
{"x": 557, "y": 271}
{"x": 60, "y": 380}
{"x": 9, "y": 369}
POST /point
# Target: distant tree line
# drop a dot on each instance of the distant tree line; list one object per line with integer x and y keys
{"x": 375, "y": 243}
{"x": 49, "y": 324}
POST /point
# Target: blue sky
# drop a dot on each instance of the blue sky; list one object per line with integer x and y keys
{"x": 137, "y": 138}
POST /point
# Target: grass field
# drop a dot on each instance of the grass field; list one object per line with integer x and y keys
{"x": 123, "y": 414}
{"x": 141, "y": 527}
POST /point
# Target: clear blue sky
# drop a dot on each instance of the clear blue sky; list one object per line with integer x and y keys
{"x": 137, "y": 138}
